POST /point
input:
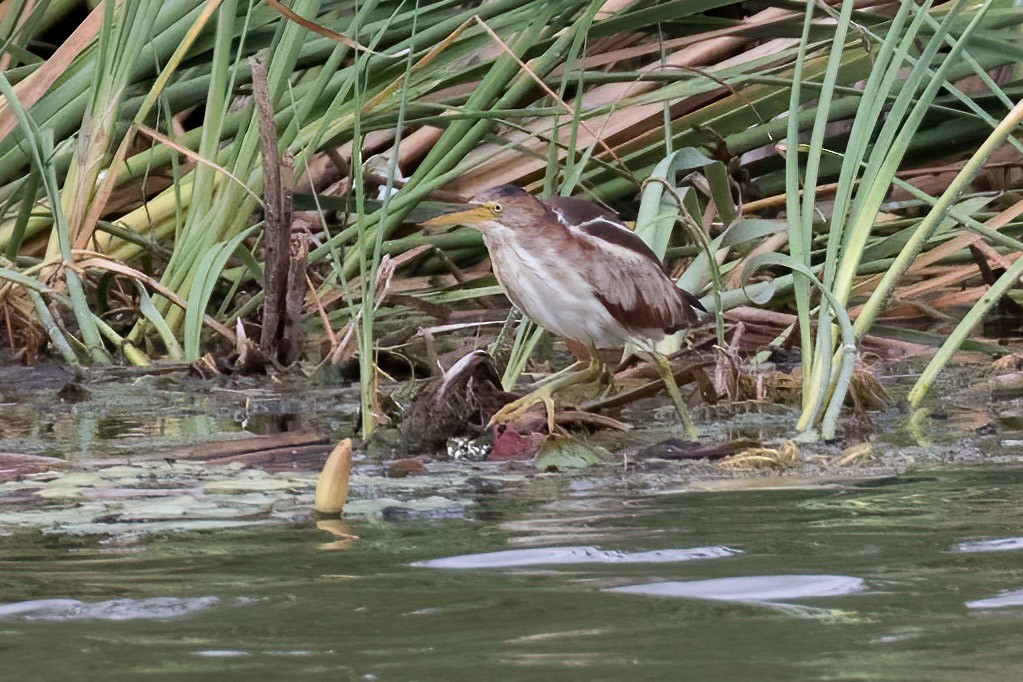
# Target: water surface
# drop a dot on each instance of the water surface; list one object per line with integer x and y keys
{"x": 905, "y": 579}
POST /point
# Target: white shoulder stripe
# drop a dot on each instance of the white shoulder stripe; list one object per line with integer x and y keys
{"x": 560, "y": 215}
{"x": 606, "y": 221}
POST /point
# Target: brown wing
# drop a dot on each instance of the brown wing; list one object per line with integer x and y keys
{"x": 643, "y": 304}
{"x": 629, "y": 280}
{"x": 626, "y": 275}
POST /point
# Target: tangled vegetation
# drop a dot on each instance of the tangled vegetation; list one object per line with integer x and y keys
{"x": 816, "y": 171}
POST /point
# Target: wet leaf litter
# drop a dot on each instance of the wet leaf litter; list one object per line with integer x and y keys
{"x": 226, "y": 474}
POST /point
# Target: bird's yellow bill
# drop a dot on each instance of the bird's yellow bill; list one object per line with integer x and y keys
{"x": 469, "y": 217}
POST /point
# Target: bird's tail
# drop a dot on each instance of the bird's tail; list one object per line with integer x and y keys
{"x": 692, "y": 300}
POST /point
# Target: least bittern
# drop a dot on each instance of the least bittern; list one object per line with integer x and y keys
{"x": 576, "y": 270}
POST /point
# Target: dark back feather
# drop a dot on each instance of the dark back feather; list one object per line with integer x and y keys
{"x": 600, "y": 222}
{"x": 576, "y": 210}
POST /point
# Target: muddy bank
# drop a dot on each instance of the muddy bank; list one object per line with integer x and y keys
{"x": 154, "y": 453}
{"x": 86, "y": 413}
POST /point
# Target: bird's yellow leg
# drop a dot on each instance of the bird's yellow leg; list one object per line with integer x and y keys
{"x": 545, "y": 394}
{"x": 664, "y": 369}
{"x": 574, "y": 367}
{"x": 607, "y": 380}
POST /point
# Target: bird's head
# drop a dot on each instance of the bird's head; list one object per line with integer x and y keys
{"x": 504, "y": 207}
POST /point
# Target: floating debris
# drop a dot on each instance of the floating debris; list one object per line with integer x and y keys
{"x": 14, "y": 464}
{"x": 678, "y": 449}
{"x": 855, "y": 454}
{"x": 563, "y": 453}
{"x": 784, "y": 457}
{"x": 130, "y": 500}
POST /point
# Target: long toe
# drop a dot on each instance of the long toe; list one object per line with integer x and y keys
{"x": 513, "y": 410}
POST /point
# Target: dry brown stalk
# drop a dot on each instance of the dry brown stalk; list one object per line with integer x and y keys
{"x": 42, "y": 79}
{"x": 104, "y": 263}
{"x": 635, "y": 120}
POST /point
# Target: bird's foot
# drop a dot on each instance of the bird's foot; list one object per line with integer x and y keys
{"x": 559, "y": 375}
{"x": 607, "y": 382}
{"x": 545, "y": 394}
{"x": 519, "y": 407}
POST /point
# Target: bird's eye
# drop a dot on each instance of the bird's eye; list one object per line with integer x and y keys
{"x": 496, "y": 207}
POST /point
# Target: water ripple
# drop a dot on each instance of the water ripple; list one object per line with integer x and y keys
{"x": 1000, "y": 545}
{"x": 1013, "y": 598}
{"x": 574, "y": 555}
{"x": 154, "y": 608}
{"x": 755, "y": 589}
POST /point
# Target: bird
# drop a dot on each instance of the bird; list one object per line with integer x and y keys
{"x": 574, "y": 268}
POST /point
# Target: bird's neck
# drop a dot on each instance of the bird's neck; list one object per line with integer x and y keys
{"x": 499, "y": 239}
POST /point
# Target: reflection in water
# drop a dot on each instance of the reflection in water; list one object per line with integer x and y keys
{"x": 1001, "y": 545}
{"x": 573, "y": 555}
{"x": 1013, "y": 598}
{"x": 339, "y": 529}
{"x": 758, "y": 588}
{"x": 155, "y": 413}
{"x": 113, "y": 609}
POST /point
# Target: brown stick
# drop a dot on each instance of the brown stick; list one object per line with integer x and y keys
{"x": 291, "y": 338}
{"x": 229, "y": 448}
{"x": 276, "y": 214}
